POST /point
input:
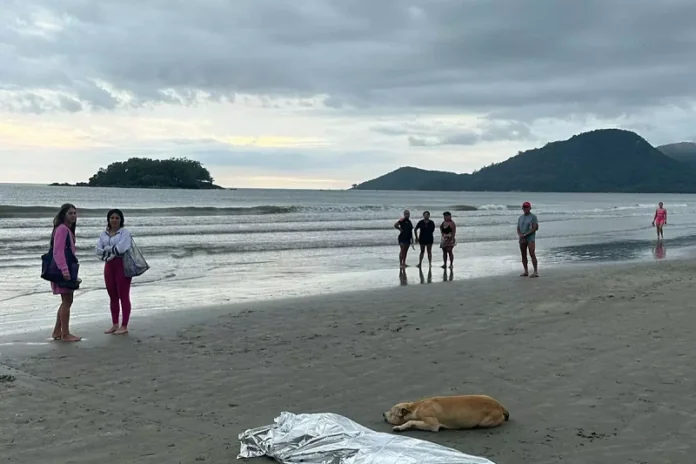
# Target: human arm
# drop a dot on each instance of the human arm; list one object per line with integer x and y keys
{"x": 665, "y": 217}
{"x": 397, "y": 224}
{"x": 60, "y": 237}
{"x": 454, "y": 229}
{"x": 123, "y": 244}
{"x": 417, "y": 229}
{"x": 532, "y": 230}
{"x": 103, "y": 249}
{"x": 654, "y": 218}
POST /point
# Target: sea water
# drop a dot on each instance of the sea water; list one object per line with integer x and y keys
{"x": 226, "y": 246}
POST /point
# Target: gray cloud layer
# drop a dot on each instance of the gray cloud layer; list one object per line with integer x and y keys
{"x": 516, "y": 59}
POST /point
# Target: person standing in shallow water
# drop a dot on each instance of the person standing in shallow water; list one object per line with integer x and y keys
{"x": 113, "y": 243}
{"x": 64, "y": 225}
{"x": 405, "y": 227}
{"x": 425, "y": 230}
{"x": 448, "y": 241}
{"x": 527, "y": 226}
{"x": 660, "y": 220}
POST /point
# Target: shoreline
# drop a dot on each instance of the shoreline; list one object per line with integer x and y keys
{"x": 577, "y": 356}
{"x": 176, "y": 296}
{"x": 368, "y": 280}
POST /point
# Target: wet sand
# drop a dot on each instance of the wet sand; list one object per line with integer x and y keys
{"x": 596, "y": 365}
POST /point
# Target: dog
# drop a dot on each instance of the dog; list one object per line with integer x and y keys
{"x": 448, "y": 412}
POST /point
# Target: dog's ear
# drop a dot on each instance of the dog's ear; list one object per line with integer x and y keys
{"x": 404, "y": 411}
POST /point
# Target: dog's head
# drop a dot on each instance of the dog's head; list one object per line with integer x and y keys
{"x": 399, "y": 414}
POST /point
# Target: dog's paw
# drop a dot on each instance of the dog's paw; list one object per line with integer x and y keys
{"x": 397, "y": 428}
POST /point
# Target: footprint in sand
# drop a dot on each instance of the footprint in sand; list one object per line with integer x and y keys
{"x": 7, "y": 378}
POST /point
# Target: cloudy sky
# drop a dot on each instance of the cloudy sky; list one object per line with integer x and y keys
{"x": 324, "y": 93}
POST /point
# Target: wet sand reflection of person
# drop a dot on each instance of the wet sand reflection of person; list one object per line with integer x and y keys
{"x": 422, "y": 276}
{"x": 659, "y": 251}
{"x": 446, "y": 277}
{"x": 403, "y": 278}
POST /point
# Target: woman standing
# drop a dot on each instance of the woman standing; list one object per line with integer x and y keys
{"x": 113, "y": 243}
{"x": 425, "y": 230}
{"x": 405, "y": 228}
{"x": 660, "y": 220}
{"x": 63, "y": 237}
{"x": 448, "y": 229}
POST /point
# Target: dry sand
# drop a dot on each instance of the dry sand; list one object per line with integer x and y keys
{"x": 596, "y": 365}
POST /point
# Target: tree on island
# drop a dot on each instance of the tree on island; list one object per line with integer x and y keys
{"x": 179, "y": 173}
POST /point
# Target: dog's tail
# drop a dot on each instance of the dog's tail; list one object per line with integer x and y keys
{"x": 506, "y": 413}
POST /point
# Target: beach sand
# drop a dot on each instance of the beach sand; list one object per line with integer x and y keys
{"x": 595, "y": 364}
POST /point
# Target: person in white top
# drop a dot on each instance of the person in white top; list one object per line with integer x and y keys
{"x": 113, "y": 243}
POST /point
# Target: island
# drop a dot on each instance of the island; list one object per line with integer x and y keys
{"x": 173, "y": 173}
{"x": 603, "y": 160}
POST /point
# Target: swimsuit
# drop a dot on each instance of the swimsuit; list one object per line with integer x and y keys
{"x": 661, "y": 217}
{"x": 406, "y": 234}
{"x": 447, "y": 240}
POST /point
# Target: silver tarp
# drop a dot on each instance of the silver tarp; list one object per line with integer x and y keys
{"x": 328, "y": 438}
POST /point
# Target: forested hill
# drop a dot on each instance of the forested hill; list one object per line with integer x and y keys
{"x": 605, "y": 160}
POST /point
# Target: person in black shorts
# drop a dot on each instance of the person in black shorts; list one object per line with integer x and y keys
{"x": 425, "y": 230}
{"x": 405, "y": 227}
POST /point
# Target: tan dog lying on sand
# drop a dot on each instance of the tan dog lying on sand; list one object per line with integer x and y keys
{"x": 449, "y": 412}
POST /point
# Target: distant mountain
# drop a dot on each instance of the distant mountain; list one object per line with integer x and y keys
{"x": 683, "y": 151}
{"x": 416, "y": 179}
{"x": 605, "y": 160}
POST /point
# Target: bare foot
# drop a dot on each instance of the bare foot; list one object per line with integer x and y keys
{"x": 524, "y": 274}
{"x": 56, "y": 335}
{"x": 70, "y": 338}
{"x": 444, "y": 266}
{"x": 121, "y": 331}
{"x": 534, "y": 275}
{"x": 113, "y": 329}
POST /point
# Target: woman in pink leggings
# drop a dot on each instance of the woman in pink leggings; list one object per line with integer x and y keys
{"x": 113, "y": 243}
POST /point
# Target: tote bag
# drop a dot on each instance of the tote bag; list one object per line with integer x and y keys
{"x": 49, "y": 268}
{"x": 134, "y": 263}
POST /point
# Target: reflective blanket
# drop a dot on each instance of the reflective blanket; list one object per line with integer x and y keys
{"x": 328, "y": 438}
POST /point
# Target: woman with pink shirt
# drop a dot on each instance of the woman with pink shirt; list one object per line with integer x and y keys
{"x": 62, "y": 240}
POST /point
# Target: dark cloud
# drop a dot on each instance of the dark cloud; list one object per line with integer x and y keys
{"x": 516, "y": 59}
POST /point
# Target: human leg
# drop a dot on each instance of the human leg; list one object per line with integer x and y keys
{"x": 523, "y": 251}
{"x": 110, "y": 277}
{"x": 64, "y": 315}
{"x": 532, "y": 254}
{"x": 123, "y": 286}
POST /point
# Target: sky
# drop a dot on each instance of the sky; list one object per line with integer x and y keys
{"x": 321, "y": 94}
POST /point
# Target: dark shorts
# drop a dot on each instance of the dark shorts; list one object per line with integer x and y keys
{"x": 528, "y": 239}
{"x": 426, "y": 242}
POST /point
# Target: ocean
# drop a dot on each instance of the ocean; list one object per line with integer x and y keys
{"x": 229, "y": 246}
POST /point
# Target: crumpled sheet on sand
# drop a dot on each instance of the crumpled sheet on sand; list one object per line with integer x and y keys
{"x": 328, "y": 438}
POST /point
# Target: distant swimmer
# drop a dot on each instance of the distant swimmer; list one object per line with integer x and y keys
{"x": 527, "y": 226}
{"x": 425, "y": 231}
{"x": 405, "y": 227}
{"x": 660, "y": 220}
